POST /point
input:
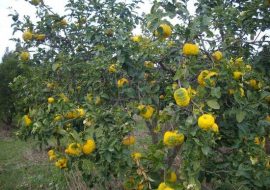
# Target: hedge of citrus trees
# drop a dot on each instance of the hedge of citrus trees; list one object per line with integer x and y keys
{"x": 184, "y": 105}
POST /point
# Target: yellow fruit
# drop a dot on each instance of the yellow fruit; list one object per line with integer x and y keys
{"x": 63, "y": 22}
{"x": 146, "y": 111}
{"x": 35, "y": 2}
{"x": 50, "y": 85}
{"x": 89, "y": 146}
{"x": 129, "y": 140}
{"x": 61, "y": 163}
{"x": 215, "y": 128}
{"x": 112, "y": 68}
{"x": 239, "y": 61}
{"x": 25, "y": 56}
{"x": 206, "y": 121}
{"x": 98, "y": 100}
{"x": 181, "y": 97}
{"x": 231, "y": 91}
{"x": 161, "y": 97}
{"x": 259, "y": 141}
{"x": 57, "y": 118}
{"x": 190, "y": 49}
{"x": 137, "y": 38}
{"x": 40, "y": 37}
{"x": 174, "y": 86}
{"x": 136, "y": 156}
{"x": 172, "y": 177}
{"x": 217, "y": 55}
{"x": 50, "y": 100}
{"x": 267, "y": 118}
{"x": 242, "y": 92}
{"x": 80, "y": 112}
{"x": 166, "y": 31}
{"x": 73, "y": 149}
{"x": 149, "y": 64}
{"x": 121, "y": 82}
{"x": 248, "y": 67}
{"x": 254, "y": 84}
{"x": 140, "y": 186}
{"x": 64, "y": 97}
{"x": 51, "y": 152}
{"x": 163, "y": 186}
{"x": 27, "y": 36}
{"x": 202, "y": 76}
{"x": 173, "y": 138}
{"x": 53, "y": 157}
{"x": 267, "y": 165}
{"x": 237, "y": 75}
{"x": 209, "y": 77}
{"x": 27, "y": 120}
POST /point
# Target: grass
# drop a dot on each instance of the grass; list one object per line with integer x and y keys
{"x": 23, "y": 166}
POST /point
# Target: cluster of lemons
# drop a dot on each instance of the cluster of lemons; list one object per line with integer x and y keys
{"x": 73, "y": 149}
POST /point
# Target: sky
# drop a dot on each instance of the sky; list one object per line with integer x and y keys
{"x": 24, "y": 8}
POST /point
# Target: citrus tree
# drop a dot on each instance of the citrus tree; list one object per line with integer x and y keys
{"x": 184, "y": 105}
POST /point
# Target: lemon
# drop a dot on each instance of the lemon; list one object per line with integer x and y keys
{"x": 182, "y": 97}
{"x": 112, "y": 68}
{"x": 206, "y": 121}
{"x": 166, "y": 31}
{"x": 172, "y": 177}
{"x": 25, "y": 56}
{"x": 27, "y": 120}
{"x": 217, "y": 55}
{"x": 136, "y": 156}
{"x": 146, "y": 111}
{"x": 129, "y": 140}
{"x": 27, "y": 36}
{"x": 215, "y": 128}
{"x": 121, "y": 82}
{"x": 50, "y": 100}
{"x": 61, "y": 163}
{"x": 202, "y": 76}
{"x": 73, "y": 149}
{"x": 173, "y": 138}
{"x": 190, "y": 49}
{"x": 89, "y": 146}
{"x": 237, "y": 75}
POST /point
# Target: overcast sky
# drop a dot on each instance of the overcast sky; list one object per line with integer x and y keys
{"x": 25, "y": 8}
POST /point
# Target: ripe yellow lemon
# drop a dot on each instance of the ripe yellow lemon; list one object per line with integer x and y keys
{"x": 181, "y": 97}
{"x": 25, "y": 56}
{"x": 27, "y": 36}
{"x": 206, "y": 121}
{"x": 190, "y": 49}
{"x": 50, "y": 100}
{"x": 89, "y": 146}
{"x": 217, "y": 55}
{"x": 166, "y": 31}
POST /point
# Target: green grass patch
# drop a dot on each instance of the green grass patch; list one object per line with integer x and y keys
{"x": 23, "y": 166}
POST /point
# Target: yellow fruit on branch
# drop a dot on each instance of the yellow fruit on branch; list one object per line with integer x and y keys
{"x": 206, "y": 121}
{"x": 112, "y": 68}
{"x": 149, "y": 64}
{"x": 164, "y": 186}
{"x": 25, "y": 56}
{"x": 190, "y": 49}
{"x": 146, "y": 111}
{"x": 172, "y": 177}
{"x": 237, "y": 75}
{"x": 50, "y": 100}
{"x": 27, "y": 120}
{"x": 136, "y": 39}
{"x": 89, "y": 147}
{"x": 215, "y": 128}
{"x": 35, "y": 2}
{"x": 27, "y": 36}
{"x": 73, "y": 149}
{"x": 121, "y": 82}
{"x": 239, "y": 61}
{"x": 136, "y": 156}
{"x": 61, "y": 163}
{"x": 57, "y": 118}
{"x": 181, "y": 97}
{"x": 217, "y": 55}
{"x": 63, "y": 22}
{"x": 166, "y": 31}
{"x": 173, "y": 138}
{"x": 129, "y": 140}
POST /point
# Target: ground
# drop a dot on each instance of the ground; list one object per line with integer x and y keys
{"x": 24, "y": 166}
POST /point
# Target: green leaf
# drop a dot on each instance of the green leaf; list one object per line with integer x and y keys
{"x": 216, "y": 92}
{"x": 213, "y": 104}
{"x": 240, "y": 116}
{"x": 206, "y": 150}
